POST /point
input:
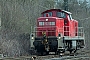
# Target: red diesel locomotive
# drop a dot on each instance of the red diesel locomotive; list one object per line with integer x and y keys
{"x": 57, "y": 32}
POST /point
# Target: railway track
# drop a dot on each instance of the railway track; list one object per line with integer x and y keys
{"x": 81, "y": 55}
{"x": 50, "y": 57}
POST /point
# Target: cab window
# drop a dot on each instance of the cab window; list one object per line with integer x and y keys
{"x": 61, "y": 14}
{"x": 52, "y": 23}
{"x": 46, "y": 23}
{"x": 41, "y": 23}
{"x": 49, "y": 14}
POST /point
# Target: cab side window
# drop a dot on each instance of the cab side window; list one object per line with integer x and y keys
{"x": 61, "y": 14}
{"x": 70, "y": 17}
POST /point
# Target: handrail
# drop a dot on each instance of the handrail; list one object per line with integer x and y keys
{"x": 80, "y": 31}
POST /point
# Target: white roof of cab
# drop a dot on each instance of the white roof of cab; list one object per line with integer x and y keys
{"x": 56, "y": 10}
{"x": 67, "y": 12}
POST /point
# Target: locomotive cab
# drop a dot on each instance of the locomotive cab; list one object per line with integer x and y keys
{"x": 57, "y": 32}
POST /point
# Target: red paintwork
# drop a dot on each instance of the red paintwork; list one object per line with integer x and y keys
{"x": 70, "y": 28}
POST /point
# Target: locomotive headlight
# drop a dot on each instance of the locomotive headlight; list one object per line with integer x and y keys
{"x": 46, "y": 41}
{"x": 32, "y": 36}
{"x": 59, "y": 36}
{"x": 46, "y": 19}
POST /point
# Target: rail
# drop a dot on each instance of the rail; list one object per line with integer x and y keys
{"x": 18, "y": 58}
{"x": 81, "y": 57}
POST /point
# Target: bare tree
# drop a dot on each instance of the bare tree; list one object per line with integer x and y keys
{"x": 19, "y": 18}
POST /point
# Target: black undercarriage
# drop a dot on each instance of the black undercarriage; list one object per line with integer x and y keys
{"x": 50, "y": 44}
{"x": 41, "y": 44}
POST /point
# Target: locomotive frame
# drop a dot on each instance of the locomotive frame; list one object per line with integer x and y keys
{"x": 57, "y": 32}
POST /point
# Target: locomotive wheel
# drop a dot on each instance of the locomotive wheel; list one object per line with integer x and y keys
{"x": 70, "y": 51}
{"x": 39, "y": 53}
{"x": 73, "y": 52}
{"x": 42, "y": 53}
{"x": 56, "y": 53}
{"x": 61, "y": 54}
{"x": 47, "y": 53}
